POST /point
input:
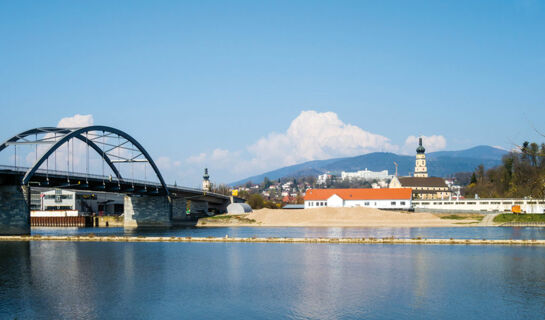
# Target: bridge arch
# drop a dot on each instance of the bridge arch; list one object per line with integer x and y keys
{"x": 77, "y": 133}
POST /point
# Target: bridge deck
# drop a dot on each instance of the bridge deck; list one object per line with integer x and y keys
{"x": 98, "y": 183}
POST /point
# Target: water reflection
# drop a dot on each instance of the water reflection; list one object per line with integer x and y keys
{"x": 15, "y": 280}
{"x": 444, "y": 233}
{"x": 63, "y": 280}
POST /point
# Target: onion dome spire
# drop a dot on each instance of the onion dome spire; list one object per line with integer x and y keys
{"x": 420, "y": 148}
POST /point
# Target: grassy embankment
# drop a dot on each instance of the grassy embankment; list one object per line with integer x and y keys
{"x": 509, "y": 217}
{"x": 477, "y": 217}
{"x": 227, "y": 219}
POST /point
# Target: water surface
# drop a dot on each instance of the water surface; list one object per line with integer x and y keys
{"x": 496, "y": 233}
{"x": 71, "y": 280}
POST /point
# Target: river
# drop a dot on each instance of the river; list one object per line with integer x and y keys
{"x": 73, "y": 280}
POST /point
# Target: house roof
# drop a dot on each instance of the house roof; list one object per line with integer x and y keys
{"x": 360, "y": 194}
{"x": 429, "y": 182}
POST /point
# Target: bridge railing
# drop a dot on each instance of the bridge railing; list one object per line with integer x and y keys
{"x": 83, "y": 175}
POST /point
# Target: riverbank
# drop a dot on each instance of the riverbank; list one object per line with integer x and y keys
{"x": 91, "y": 238}
{"x": 522, "y": 218}
{"x": 339, "y": 217}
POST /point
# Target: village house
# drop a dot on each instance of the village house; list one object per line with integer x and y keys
{"x": 399, "y": 199}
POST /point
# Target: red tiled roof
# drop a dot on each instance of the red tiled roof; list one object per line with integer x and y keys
{"x": 360, "y": 194}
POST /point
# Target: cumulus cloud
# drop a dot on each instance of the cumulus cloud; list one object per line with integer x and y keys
{"x": 76, "y": 121}
{"x": 431, "y": 143}
{"x": 311, "y": 136}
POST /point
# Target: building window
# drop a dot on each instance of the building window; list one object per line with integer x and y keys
{"x": 393, "y": 203}
{"x": 402, "y": 203}
{"x": 366, "y": 204}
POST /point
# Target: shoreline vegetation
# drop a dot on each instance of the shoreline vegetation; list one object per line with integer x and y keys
{"x": 340, "y": 217}
{"x": 523, "y": 218}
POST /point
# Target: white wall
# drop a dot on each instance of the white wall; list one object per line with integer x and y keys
{"x": 335, "y": 201}
{"x": 380, "y": 204}
{"x": 55, "y": 213}
{"x": 315, "y": 204}
{"x": 493, "y": 205}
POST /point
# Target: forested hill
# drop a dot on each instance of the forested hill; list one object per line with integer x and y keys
{"x": 440, "y": 164}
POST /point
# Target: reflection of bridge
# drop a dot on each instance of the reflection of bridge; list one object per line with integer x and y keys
{"x": 147, "y": 203}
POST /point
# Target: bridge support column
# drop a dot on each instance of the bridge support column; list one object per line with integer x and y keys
{"x": 147, "y": 211}
{"x": 199, "y": 207}
{"x": 179, "y": 210}
{"x": 14, "y": 210}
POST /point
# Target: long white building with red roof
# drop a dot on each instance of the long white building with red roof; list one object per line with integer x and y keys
{"x": 393, "y": 198}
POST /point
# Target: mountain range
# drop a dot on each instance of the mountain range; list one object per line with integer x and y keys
{"x": 440, "y": 164}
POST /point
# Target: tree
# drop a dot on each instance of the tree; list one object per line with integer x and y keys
{"x": 221, "y": 189}
{"x": 266, "y": 183}
{"x": 256, "y": 201}
{"x": 521, "y": 174}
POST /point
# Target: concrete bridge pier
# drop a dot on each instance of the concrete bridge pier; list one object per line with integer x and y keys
{"x": 199, "y": 207}
{"x": 14, "y": 210}
{"x": 147, "y": 211}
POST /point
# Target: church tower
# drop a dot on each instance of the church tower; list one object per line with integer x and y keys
{"x": 206, "y": 180}
{"x": 420, "y": 169}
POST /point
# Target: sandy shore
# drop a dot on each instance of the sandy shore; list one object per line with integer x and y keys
{"x": 334, "y": 217}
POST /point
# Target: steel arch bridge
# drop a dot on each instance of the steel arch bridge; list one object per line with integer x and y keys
{"x": 91, "y": 136}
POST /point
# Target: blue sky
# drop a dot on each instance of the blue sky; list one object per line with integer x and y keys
{"x": 247, "y": 86}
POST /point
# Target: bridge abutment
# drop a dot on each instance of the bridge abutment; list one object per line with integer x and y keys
{"x": 14, "y": 210}
{"x": 147, "y": 211}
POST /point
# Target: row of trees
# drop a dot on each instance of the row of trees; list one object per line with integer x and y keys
{"x": 522, "y": 174}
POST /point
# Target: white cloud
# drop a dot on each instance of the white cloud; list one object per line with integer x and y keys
{"x": 76, "y": 121}
{"x": 220, "y": 155}
{"x": 166, "y": 163}
{"x": 311, "y": 136}
{"x": 197, "y": 159}
{"x": 431, "y": 143}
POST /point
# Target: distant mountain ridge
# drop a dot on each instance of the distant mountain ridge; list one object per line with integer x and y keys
{"x": 440, "y": 164}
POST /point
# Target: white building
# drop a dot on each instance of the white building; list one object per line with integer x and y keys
{"x": 60, "y": 201}
{"x": 365, "y": 175}
{"x": 399, "y": 199}
{"x": 323, "y": 179}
